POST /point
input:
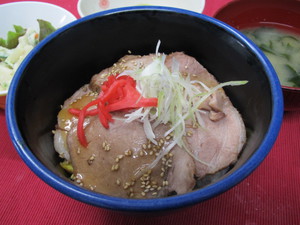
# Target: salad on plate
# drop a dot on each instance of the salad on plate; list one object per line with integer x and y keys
{"x": 16, "y": 47}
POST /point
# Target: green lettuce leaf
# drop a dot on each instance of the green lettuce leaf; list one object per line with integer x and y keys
{"x": 13, "y": 37}
{"x": 46, "y": 28}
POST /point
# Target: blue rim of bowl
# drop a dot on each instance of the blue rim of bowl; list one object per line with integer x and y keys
{"x": 146, "y": 205}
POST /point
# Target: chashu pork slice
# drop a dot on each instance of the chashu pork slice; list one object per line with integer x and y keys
{"x": 115, "y": 160}
{"x": 222, "y": 136}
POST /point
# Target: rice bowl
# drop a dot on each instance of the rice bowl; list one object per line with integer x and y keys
{"x": 260, "y": 102}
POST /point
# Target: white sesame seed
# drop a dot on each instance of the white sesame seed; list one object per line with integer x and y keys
{"x": 128, "y": 152}
{"x": 189, "y": 134}
{"x": 115, "y": 167}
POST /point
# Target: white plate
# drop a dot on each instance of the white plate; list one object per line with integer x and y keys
{"x": 87, "y": 7}
{"x": 26, "y": 14}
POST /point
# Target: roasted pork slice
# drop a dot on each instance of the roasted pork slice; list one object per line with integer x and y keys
{"x": 66, "y": 120}
{"x": 181, "y": 174}
{"x": 118, "y": 160}
{"x": 219, "y": 141}
{"x": 217, "y": 144}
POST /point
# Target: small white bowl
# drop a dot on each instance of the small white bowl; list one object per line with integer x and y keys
{"x": 25, "y": 14}
{"x": 88, "y": 7}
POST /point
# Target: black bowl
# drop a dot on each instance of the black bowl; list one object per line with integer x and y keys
{"x": 68, "y": 58}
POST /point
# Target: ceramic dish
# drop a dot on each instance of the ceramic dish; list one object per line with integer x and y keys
{"x": 26, "y": 14}
{"x": 87, "y": 7}
{"x": 284, "y": 15}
